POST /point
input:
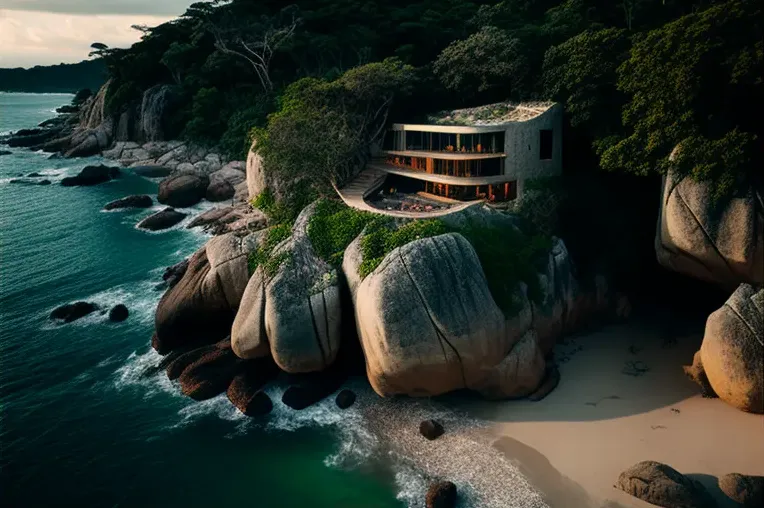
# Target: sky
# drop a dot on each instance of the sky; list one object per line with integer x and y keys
{"x": 47, "y": 32}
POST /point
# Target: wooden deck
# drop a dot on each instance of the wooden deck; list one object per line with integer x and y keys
{"x": 369, "y": 181}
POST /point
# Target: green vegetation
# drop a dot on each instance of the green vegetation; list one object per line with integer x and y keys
{"x": 380, "y": 239}
{"x": 62, "y": 78}
{"x": 264, "y": 257}
{"x": 333, "y": 226}
{"x": 317, "y": 81}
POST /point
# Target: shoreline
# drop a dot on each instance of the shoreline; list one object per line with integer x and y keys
{"x": 599, "y": 421}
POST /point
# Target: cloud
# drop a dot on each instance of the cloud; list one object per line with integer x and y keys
{"x": 30, "y": 38}
{"x": 106, "y": 7}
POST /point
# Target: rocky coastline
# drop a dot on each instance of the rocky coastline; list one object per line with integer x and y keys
{"x": 424, "y": 322}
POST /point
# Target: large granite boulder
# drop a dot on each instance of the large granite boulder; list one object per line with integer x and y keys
{"x": 210, "y": 375}
{"x": 429, "y": 325}
{"x": 200, "y": 308}
{"x": 134, "y": 201}
{"x": 731, "y": 358}
{"x": 664, "y": 486}
{"x": 722, "y": 244}
{"x": 183, "y": 190}
{"x": 293, "y": 314}
{"x": 155, "y": 104}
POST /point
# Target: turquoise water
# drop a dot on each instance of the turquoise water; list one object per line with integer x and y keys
{"x": 82, "y": 424}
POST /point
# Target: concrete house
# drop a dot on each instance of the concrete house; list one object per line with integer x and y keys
{"x": 488, "y": 152}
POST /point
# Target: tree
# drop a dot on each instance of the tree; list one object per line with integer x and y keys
{"x": 324, "y": 129}
{"x": 491, "y": 58}
{"x": 255, "y": 40}
{"x": 581, "y": 74}
{"x": 692, "y": 84}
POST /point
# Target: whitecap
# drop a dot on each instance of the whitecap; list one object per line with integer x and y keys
{"x": 139, "y": 371}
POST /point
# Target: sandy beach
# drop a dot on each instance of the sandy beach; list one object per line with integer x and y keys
{"x": 623, "y": 398}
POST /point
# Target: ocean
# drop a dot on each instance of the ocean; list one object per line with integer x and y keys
{"x": 83, "y": 420}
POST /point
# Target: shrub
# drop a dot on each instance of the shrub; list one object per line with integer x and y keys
{"x": 381, "y": 239}
{"x": 333, "y": 226}
{"x": 264, "y": 257}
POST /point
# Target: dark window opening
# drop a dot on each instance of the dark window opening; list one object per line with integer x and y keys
{"x": 545, "y": 151}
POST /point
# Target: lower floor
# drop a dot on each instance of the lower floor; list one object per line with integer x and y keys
{"x": 506, "y": 191}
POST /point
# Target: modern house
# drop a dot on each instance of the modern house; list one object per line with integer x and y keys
{"x": 488, "y": 152}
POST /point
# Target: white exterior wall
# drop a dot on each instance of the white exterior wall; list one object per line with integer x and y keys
{"x": 522, "y": 144}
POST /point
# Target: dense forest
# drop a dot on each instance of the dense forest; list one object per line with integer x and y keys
{"x": 62, "y": 78}
{"x": 647, "y": 86}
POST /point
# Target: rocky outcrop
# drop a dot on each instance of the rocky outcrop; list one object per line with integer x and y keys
{"x": 223, "y": 183}
{"x": 747, "y": 491}
{"x": 73, "y": 311}
{"x": 173, "y": 274}
{"x": 136, "y": 201}
{"x": 91, "y": 175}
{"x": 210, "y": 375}
{"x": 718, "y": 243}
{"x": 664, "y": 486}
{"x": 165, "y": 219}
{"x": 218, "y": 221}
{"x": 431, "y": 429}
{"x": 154, "y": 107}
{"x": 245, "y": 391}
{"x": 309, "y": 389}
{"x": 5, "y": 152}
{"x": 731, "y": 357}
{"x": 256, "y": 179}
{"x": 95, "y": 131}
{"x": 345, "y": 399}
{"x": 182, "y": 190}
{"x": 294, "y": 312}
{"x": 429, "y": 325}
{"x": 201, "y": 307}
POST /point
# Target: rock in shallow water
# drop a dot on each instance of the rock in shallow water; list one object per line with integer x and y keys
{"x": 151, "y": 171}
{"x": 441, "y": 495}
{"x": 73, "y": 311}
{"x": 136, "y": 201}
{"x": 664, "y": 486}
{"x": 746, "y": 490}
{"x": 5, "y": 152}
{"x": 431, "y": 429}
{"x": 91, "y": 175}
{"x": 118, "y": 313}
{"x": 245, "y": 391}
{"x": 311, "y": 388}
{"x": 183, "y": 190}
{"x": 210, "y": 375}
{"x": 165, "y": 219}
{"x": 345, "y": 399}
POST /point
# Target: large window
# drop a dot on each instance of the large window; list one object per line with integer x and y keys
{"x": 546, "y": 144}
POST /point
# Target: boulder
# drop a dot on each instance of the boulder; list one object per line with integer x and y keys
{"x": 182, "y": 190}
{"x": 44, "y": 182}
{"x": 429, "y": 325}
{"x": 26, "y": 138}
{"x": 91, "y": 175}
{"x": 201, "y": 307}
{"x": 118, "y": 313}
{"x": 293, "y": 310}
{"x": 312, "y": 388}
{"x": 664, "y": 486}
{"x": 34, "y": 175}
{"x": 551, "y": 380}
{"x": 431, "y": 429}
{"x": 245, "y": 391}
{"x": 441, "y": 495}
{"x": 223, "y": 183}
{"x": 154, "y": 107}
{"x": 721, "y": 244}
{"x": 180, "y": 362}
{"x": 731, "y": 358}
{"x": 5, "y": 152}
{"x": 345, "y": 399}
{"x": 232, "y": 218}
{"x": 210, "y": 375}
{"x": 151, "y": 171}
{"x": 165, "y": 219}
{"x": 136, "y": 201}
{"x": 73, "y": 311}
{"x": 746, "y": 490}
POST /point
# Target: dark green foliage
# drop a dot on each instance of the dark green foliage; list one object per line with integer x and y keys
{"x": 509, "y": 256}
{"x": 62, "y": 78}
{"x": 264, "y": 256}
{"x": 333, "y": 226}
{"x": 296, "y": 197}
{"x": 695, "y": 82}
{"x": 382, "y": 237}
{"x": 82, "y": 96}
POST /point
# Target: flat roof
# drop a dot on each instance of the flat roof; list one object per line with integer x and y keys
{"x": 446, "y": 155}
{"x": 487, "y": 118}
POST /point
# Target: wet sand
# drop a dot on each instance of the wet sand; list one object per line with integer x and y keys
{"x": 623, "y": 398}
